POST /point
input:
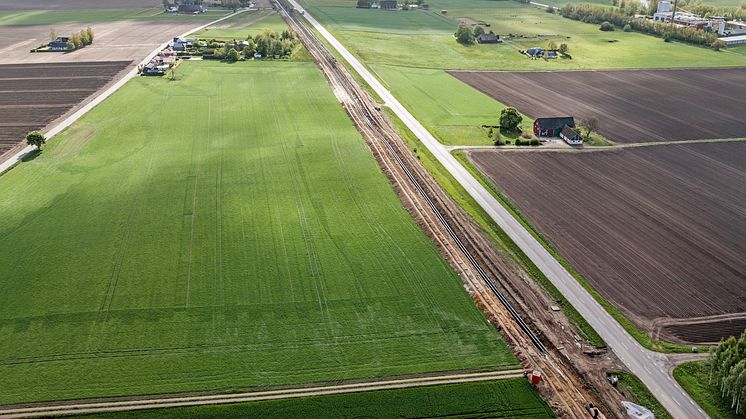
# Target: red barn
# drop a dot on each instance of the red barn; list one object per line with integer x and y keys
{"x": 551, "y": 127}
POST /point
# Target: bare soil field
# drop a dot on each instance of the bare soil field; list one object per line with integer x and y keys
{"x": 75, "y": 4}
{"x": 658, "y": 231}
{"x": 631, "y": 105}
{"x": 33, "y": 95}
{"x": 124, "y": 40}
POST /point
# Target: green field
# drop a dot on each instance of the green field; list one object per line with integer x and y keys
{"x": 245, "y": 24}
{"x": 226, "y": 230}
{"x": 409, "y": 50}
{"x": 694, "y": 378}
{"x": 49, "y": 17}
{"x": 450, "y": 109}
{"x": 495, "y": 399}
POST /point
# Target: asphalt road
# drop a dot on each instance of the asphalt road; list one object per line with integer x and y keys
{"x": 650, "y": 367}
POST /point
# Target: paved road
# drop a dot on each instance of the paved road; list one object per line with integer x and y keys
{"x": 650, "y": 367}
{"x": 106, "y": 93}
{"x": 166, "y": 402}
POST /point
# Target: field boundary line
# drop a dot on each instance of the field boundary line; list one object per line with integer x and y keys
{"x": 159, "y": 403}
{"x": 53, "y": 132}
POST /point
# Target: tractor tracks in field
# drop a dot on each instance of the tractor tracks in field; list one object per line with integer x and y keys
{"x": 509, "y": 300}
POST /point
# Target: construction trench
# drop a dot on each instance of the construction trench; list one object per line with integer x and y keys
{"x": 541, "y": 339}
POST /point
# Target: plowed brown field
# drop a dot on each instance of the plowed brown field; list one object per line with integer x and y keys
{"x": 631, "y": 105}
{"x": 658, "y": 231}
{"x": 33, "y": 95}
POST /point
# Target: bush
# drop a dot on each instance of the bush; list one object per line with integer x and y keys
{"x": 717, "y": 45}
{"x": 464, "y": 35}
{"x": 606, "y": 27}
{"x": 627, "y": 28}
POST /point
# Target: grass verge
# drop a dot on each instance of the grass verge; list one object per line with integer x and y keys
{"x": 635, "y": 390}
{"x": 694, "y": 378}
{"x": 462, "y": 197}
{"x": 631, "y": 328}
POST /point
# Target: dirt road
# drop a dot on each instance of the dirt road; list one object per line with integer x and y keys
{"x": 78, "y": 408}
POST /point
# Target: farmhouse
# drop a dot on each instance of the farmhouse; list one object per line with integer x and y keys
{"x": 387, "y": 4}
{"x": 551, "y": 127}
{"x": 489, "y": 38}
{"x": 191, "y": 8}
{"x": 59, "y": 44}
{"x": 570, "y": 136}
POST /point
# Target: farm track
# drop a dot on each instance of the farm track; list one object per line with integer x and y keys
{"x": 78, "y": 407}
{"x": 463, "y": 245}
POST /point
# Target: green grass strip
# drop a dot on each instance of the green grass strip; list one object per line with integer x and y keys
{"x": 695, "y": 379}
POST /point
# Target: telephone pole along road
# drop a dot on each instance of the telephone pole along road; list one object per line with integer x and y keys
{"x": 650, "y": 367}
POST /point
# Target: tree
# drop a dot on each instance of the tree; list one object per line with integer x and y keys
{"x": 606, "y": 26}
{"x": 497, "y": 139}
{"x": 627, "y": 28}
{"x": 464, "y": 35}
{"x": 89, "y": 32}
{"x": 35, "y": 138}
{"x": 70, "y": 45}
{"x": 717, "y": 45}
{"x": 563, "y": 48}
{"x": 232, "y": 55}
{"x": 510, "y": 119}
{"x": 590, "y": 125}
{"x": 52, "y": 34}
{"x": 478, "y": 30}
{"x": 166, "y": 4}
{"x": 552, "y": 46}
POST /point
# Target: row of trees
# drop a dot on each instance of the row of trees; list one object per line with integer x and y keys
{"x": 80, "y": 39}
{"x": 728, "y": 371}
{"x": 623, "y": 19}
{"x": 268, "y": 43}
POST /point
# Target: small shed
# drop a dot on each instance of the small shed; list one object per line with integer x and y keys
{"x": 551, "y": 127}
{"x": 489, "y": 38}
{"x": 571, "y": 136}
{"x": 387, "y": 4}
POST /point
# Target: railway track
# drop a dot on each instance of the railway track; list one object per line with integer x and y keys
{"x": 455, "y": 235}
{"x": 366, "y": 116}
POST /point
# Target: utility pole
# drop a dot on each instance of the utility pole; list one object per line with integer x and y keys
{"x": 673, "y": 14}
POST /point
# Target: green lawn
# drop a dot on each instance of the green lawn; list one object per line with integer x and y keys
{"x": 49, "y": 17}
{"x": 494, "y": 399}
{"x": 245, "y": 24}
{"x": 450, "y": 109}
{"x": 694, "y": 378}
{"x": 226, "y": 230}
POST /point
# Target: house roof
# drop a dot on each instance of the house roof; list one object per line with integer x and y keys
{"x": 556, "y": 122}
{"x": 568, "y": 132}
{"x": 487, "y": 37}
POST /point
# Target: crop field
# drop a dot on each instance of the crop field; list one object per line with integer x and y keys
{"x": 698, "y": 104}
{"x": 226, "y": 230}
{"x": 450, "y": 109}
{"x": 246, "y": 24}
{"x": 495, "y": 399}
{"x": 96, "y": 15}
{"x": 408, "y": 48}
{"x": 33, "y": 95}
{"x": 76, "y": 4}
{"x": 656, "y": 230}
{"x": 420, "y": 38}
